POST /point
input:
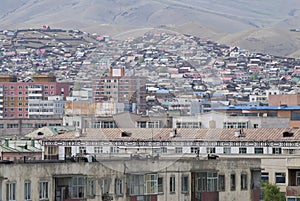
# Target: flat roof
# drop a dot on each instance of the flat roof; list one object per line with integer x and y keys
{"x": 259, "y": 108}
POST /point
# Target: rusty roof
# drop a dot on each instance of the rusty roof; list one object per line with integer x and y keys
{"x": 183, "y": 134}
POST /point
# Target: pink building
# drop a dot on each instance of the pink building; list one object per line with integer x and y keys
{"x": 14, "y": 96}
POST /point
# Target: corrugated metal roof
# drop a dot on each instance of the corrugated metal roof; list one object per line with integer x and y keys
{"x": 183, "y": 134}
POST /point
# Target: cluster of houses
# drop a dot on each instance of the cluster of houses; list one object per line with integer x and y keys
{"x": 159, "y": 117}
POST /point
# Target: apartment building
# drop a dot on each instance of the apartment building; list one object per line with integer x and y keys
{"x": 273, "y": 146}
{"x": 142, "y": 180}
{"x": 129, "y": 90}
{"x": 16, "y": 96}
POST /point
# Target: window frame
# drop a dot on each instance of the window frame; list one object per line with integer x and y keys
{"x": 264, "y": 176}
{"x": 232, "y": 182}
{"x": 11, "y": 191}
{"x": 222, "y": 182}
{"x": 184, "y": 184}
{"x": 27, "y": 191}
{"x": 43, "y": 190}
{"x": 280, "y": 175}
{"x": 119, "y": 187}
{"x": 244, "y": 181}
{"x": 172, "y": 188}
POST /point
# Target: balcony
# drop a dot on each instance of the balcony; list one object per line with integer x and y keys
{"x": 35, "y": 95}
{"x": 35, "y": 88}
{"x": 293, "y": 191}
{"x": 293, "y": 188}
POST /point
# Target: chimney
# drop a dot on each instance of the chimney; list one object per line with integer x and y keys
{"x": 78, "y": 132}
{"x": 173, "y": 133}
{"x": 32, "y": 143}
{"x": 6, "y": 142}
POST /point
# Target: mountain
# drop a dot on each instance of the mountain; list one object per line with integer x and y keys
{"x": 207, "y": 18}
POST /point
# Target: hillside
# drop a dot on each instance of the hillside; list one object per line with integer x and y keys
{"x": 211, "y": 19}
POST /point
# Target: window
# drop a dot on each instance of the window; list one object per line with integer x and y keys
{"x": 211, "y": 150}
{"x": 291, "y": 151}
{"x": 184, "y": 184}
{"x": 221, "y": 182}
{"x": 235, "y": 125}
{"x": 280, "y": 177}
{"x": 12, "y": 125}
{"x": 91, "y": 187}
{"x": 212, "y": 181}
{"x": 160, "y": 185}
{"x": 11, "y": 191}
{"x": 201, "y": 182}
{"x": 98, "y": 150}
{"x": 151, "y": 184}
{"x": 1, "y": 125}
{"x": 43, "y": 190}
{"x": 265, "y": 176}
{"x": 298, "y": 178}
{"x": 188, "y": 125}
{"x": 51, "y": 150}
{"x": 195, "y": 150}
{"x": 78, "y": 187}
{"x": 232, "y": 182}
{"x": 178, "y": 150}
{"x": 25, "y": 125}
{"x": 244, "y": 181}
{"x": 242, "y": 150}
{"x": 293, "y": 199}
{"x": 295, "y": 116}
{"x": 119, "y": 186}
{"x": 141, "y": 124}
{"x": 163, "y": 150}
{"x": 259, "y": 150}
{"x": 276, "y": 150}
{"x": 105, "y": 182}
{"x": 172, "y": 184}
{"x": 27, "y": 190}
{"x": 227, "y": 150}
{"x": 136, "y": 184}
{"x": 82, "y": 150}
{"x": 114, "y": 149}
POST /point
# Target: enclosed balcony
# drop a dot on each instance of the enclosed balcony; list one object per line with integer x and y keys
{"x": 293, "y": 188}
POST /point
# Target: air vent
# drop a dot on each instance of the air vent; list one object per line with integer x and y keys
{"x": 125, "y": 134}
{"x": 287, "y": 134}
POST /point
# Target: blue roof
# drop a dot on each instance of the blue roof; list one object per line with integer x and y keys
{"x": 259, "y": 108}
{"x": 199, "y": 92}
{"x": 162, "y": 91}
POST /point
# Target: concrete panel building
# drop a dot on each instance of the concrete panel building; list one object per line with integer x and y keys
{"x": 132, "y": 180}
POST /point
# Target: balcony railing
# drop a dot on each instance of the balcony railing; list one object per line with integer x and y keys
{"x": 293, "y": 191}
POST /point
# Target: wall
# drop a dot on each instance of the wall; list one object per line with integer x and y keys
{"x": 36, "y": 172}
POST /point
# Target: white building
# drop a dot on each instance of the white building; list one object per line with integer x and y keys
{"x": 52, "y": 107}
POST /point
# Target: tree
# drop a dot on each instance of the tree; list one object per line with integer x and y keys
{"x": 271, "y": 192}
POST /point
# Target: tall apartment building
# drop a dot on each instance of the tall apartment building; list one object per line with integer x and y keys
{"x": 16, "y": 96}
{"x": 129, "y": 90}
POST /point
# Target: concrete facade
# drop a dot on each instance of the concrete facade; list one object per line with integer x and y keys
{"x": 120, "y": 180}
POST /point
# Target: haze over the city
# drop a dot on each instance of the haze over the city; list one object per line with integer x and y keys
{"x": 261, "y": 26}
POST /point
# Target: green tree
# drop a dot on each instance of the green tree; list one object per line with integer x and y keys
{"x": 271, "y": 192}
